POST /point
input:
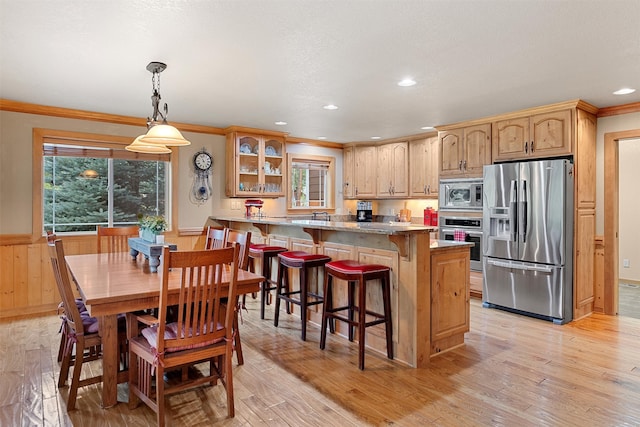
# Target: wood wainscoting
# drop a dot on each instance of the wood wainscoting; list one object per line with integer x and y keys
{"x": 27, "y": 285}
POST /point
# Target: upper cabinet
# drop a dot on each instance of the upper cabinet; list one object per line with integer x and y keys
{"x": 536, "y": 136}
{"x": 364, "y": 157}
{"x": 423, "y": 167}
{"x": 348, "y": 174}
{"x": 391, "y": 169}
{"x": 256, "y": 165}
{"x": 393, "y": 177}
{"x": 464, "y": 151}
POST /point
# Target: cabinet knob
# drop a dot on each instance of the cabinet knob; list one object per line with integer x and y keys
{"x": 460, "y": 166}
{"x": 531, "y": 146}
{"x": 464, "y": 165}
{"x": 526, "y": 147}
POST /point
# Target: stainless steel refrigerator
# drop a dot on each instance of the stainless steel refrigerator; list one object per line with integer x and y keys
{"x": 528, "y": 238}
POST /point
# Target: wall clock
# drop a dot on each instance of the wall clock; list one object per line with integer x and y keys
{"x": 202, "y": 166}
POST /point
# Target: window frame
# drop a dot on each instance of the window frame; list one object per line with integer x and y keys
{"x": 330, "y": 185}
{"x": 42, "y": 136}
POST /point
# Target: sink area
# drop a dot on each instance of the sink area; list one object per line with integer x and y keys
{"x": 309, "y": 221}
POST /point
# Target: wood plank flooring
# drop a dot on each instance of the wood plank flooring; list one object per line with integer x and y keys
{"x": 512, "y": 370}
{"x": 629, "y": 300}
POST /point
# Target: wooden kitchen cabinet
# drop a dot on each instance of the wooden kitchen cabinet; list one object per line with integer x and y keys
{"x": 449, "y": 296}
{"x": 423, "y": 167}
{"x": 464, "y": 151}
{"x": 365, "y": 174}
{"x": 392, "y": 173}
{"x": 537, "y": 136}
{"x": 348, "y": 173}
{"x": 256, "y": 165}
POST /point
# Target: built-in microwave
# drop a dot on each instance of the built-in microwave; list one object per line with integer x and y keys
{"x": 464, "y": 193}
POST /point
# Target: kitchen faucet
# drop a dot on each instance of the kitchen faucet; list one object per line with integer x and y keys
{"x": 315, "y": 215}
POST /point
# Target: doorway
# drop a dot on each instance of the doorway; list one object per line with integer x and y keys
{"x": 611, "y": 217}
{"x": 629, "y": 235}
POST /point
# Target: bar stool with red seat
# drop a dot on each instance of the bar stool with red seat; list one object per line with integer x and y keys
{"x": 354, "y": 273}
{"x": 302, "y": 261}
{"x": 265, "y": 253}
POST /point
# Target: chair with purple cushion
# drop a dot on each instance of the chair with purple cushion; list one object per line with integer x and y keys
{"x": 79, "y": 328}
{"x": 202, "y": 331}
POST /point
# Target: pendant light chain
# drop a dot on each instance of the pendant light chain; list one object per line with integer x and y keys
{"x": 160, "y": 134}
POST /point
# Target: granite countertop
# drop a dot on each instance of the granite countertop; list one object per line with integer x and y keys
{"x": 352, "y": 226}
{"x": 446, "y": 244}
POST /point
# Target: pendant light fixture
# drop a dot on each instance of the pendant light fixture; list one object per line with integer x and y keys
{"x": 160, "y": 134}
{"x": 140, "y": 147}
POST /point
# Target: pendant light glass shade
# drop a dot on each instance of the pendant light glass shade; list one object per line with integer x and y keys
{"x": 138, "y": 146}
{"x": 89, "y": 174}
{"x": 165, "y": 135}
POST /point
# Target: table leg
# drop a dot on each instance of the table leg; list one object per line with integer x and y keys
{"x": 110, "y": 359}
{"x": 154, "y": 262}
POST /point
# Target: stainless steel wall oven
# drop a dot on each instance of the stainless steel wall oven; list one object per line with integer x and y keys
{"x": 467, "y": 228}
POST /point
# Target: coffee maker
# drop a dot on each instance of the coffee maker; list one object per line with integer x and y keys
{"x": 364, "y": 212}
{"x": 253, "y": 203}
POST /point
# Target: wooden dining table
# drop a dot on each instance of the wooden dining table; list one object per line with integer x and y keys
{"x": 114, "y": 283}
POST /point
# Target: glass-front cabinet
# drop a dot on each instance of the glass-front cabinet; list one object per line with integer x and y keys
{"x": 255, "y": 164}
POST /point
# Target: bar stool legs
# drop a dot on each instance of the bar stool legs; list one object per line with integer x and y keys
{"x": 302, "y": 261}
{"x": 265, "y": 253}
{"x": 357, "y": 274}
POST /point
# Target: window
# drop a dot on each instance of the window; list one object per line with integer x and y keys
{"x": 86, "y": 183}
{"x": 311, "y": 183}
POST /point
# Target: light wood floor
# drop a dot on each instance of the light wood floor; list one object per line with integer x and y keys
{"x": 629, "y": 300}
{"x": 513, "y": 370}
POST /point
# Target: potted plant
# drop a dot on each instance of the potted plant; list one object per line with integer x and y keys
{"x": 151, "y": 226}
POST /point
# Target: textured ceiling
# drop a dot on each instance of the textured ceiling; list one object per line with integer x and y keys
{"x": 254, "y": 62}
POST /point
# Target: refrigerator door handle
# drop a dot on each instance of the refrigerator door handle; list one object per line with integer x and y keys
{"x": 513, "y": 210}
{"x": 522, "y": 213}
{"x": 517, "y": 266}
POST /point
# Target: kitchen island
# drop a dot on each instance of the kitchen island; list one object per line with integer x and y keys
{"x": 430, "y": 280}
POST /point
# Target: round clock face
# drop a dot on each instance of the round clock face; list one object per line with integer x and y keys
{"x": 203, "y": 161}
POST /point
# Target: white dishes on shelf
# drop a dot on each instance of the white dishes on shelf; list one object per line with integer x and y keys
{"x": 270, "y": 151}
{"x": 245, "y": 148}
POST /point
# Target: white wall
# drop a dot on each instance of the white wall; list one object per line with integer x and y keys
{"x": 629, "y": 208}
{"x": 16, "y": 139}
{"x": 16, "y": 183}
{"x": 607, "y": 125}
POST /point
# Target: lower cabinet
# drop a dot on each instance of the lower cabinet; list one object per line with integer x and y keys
{"x": 449, "y": 298}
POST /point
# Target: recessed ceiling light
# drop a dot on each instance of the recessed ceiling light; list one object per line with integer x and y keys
{"x": 375, "y": 137}
{"x": 281, "y": 123}
{"x": 322, "y": 137}
{"x": 427, "y": 128}
{"x": 330, "y": 107}
{"x": 624, "y": 91}
{"x": 406, "y": 82}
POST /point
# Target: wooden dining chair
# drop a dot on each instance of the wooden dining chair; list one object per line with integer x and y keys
{"x": 115, "y": 239}
{"x": 243, "y": 240}
{"x": 83, "y": 343}
{"x": 203, "y": 331}
{"x": 51, "y": 237}
{"x": 216, "y": 238}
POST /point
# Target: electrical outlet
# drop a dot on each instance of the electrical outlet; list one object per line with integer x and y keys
{"x": 235, "y": 205}
{"x": 625, "y": 263}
